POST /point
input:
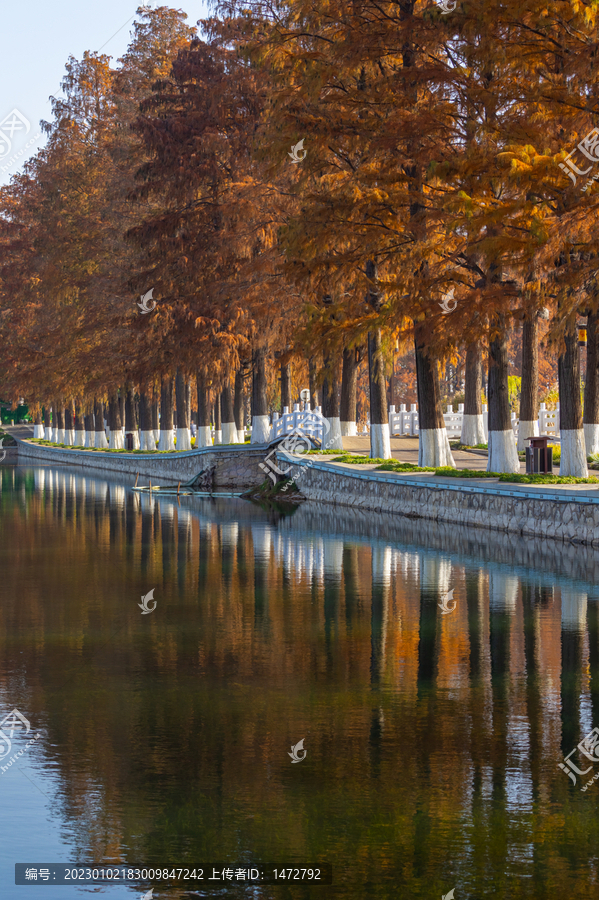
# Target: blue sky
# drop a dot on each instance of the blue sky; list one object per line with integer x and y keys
{"x": 38, "y": 38}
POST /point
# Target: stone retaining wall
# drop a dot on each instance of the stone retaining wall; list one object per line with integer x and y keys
{"x": 237, "y": 468}
{"x": 542, "y": 513}
{"x": 494, "y": 507}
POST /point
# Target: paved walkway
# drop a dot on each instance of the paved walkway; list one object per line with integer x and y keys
{"x": 406, "y": 450}
{"x": 21, "y": 432}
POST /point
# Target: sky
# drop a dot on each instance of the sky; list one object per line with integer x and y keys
{"x": 38, "y": 39}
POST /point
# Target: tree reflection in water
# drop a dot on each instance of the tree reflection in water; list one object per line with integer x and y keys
{"x": 432, "y": 740}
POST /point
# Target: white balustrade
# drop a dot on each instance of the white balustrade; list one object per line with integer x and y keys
{"x": 549, "y": 420}
{"x": 453, "y": 422}
{"x": 299, "y": 418}
{"x": 405, "y": 422}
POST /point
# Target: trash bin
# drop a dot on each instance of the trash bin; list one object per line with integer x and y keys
{"x": 539, "y": 457}
{"x": 129, "y": 445}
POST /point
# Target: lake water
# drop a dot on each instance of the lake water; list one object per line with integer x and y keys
{"x": 431, "y": 740}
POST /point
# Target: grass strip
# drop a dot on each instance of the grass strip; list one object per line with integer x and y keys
{"x": 393, "y": 465}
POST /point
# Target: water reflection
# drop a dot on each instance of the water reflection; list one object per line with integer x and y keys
{"x": 433, "y": 740}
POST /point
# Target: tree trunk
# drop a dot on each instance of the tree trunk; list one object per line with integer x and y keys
{"x": 47, "y": 422}
{"x": 218, "y": 421}
{"x": 167, "y": 441}
{"x": 115, "y": 440}
{"x": 155, "y": 415}
{"x": 79, "y": 426}
{"x": 60, "y": 422}
{"x": 433, "y": 443}
{"x": 38, "y": 428}
{"x": 529, "y": 390}
{"x": 260, "y": 421}
{"x": 380, "y": 438}
{"x": 503, "y": 456}
{"x": 131, "y": 417}
{"x": 183, "y": 412}
{"x": 473, "y": 429}
{"x": 591, "y": 387}
{"x": 90, "y": 429}
{"x": 56, "y": 421}
{"x": 286, "y": 387}
{"x": 238, "y": 405}
{"x": 204, "y": 438}
{"x": 121, "y": 396}
{"x": 229, "y": 428}
{"x": 100, "y": 433}
{"x": 147, "y": 438}
{"x": 573, "y": 451}
{"x": 69, "y": 424}
{"x": 349, "y": 385}
{"x": 312, "y": 373}
{"x": 332, "y": 439}
{"x": 41, "y": 430}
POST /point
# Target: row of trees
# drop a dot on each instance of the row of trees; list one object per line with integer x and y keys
{"x": 444, "y": 159}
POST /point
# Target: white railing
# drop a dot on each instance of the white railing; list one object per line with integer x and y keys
{"x": 403, "y": 422}
{"x": 299, "y": 418}
{"x": 453, "y": 421}
{"x": 406, "y": 423}
{"x": 549, "y": 420}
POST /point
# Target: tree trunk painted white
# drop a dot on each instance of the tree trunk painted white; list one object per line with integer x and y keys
{"x": 260, "y": 430}
{"x": 333, "y": 439}
{"x": 573, "y": 460}
{"x": 433, "y": 443}
{"x": 591, "y": 438}
{"x": 503, "y": 456}
{"x": 116, "y": 441}
{"x": 218, "y": 436}
{"x": 529, "y": 393}
{"x": 473, "y": 430}
{"x": 526, "y": 430}
{"x": 229, "y": 432}
{"x": 90, "y": 439}
{"x": 473, "y": 424}
{"x": 349, "y": 385}
{"x": 183, "y": 439}
{"x": 48, "y": 433}
{"x": 380, "y": 444}
{"x": 148, "y": 440}
{"x": 167, "y": 440}
{"x": 135, "y": 439}
{"x": 38, "y": 432}
{"x": 80, "y": 438}
{"x": 101, "y": 441}
{"x": 238, "y": 403}
{"x": 60, "y": 436}
{"x": 69, "y": 437}
{"x": 433, "y": 448}
{"x": 157, "y": 434}
{"x": 590, "y": 418}
{"x": 204, "y": 437}
{"x": 380, "y": 441}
